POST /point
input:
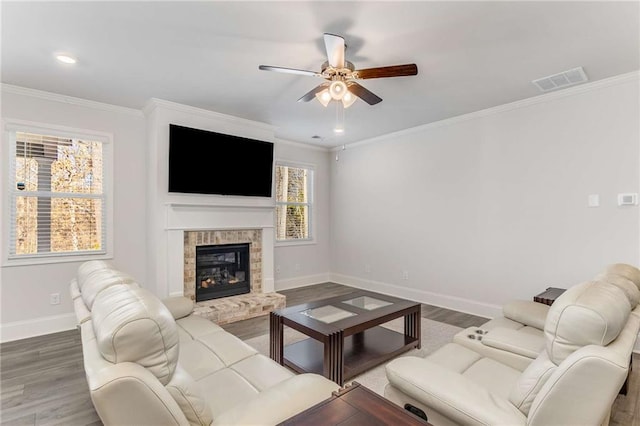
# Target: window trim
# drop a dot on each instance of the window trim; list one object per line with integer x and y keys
{"x": 7, "y": 151}
{"x": 312, "y": 204}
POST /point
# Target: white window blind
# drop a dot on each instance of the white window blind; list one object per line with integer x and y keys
{"x": 57, "y": 196}
{"x": 293, "y": 203}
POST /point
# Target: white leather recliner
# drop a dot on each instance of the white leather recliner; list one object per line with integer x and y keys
{"x": 589, "y": 335}
{"x": 517, "y": 337}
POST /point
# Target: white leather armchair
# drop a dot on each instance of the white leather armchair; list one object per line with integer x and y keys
{"x": 589, "y": 335}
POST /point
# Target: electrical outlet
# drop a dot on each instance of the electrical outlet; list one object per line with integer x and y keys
{"x": 367, "y": 268}
{"x": 54, "y": 298}
{"x": 405, "y": 275}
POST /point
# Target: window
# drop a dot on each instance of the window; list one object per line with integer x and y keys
{"x": 294, "y": 201}
{"x": 57, "y": 197}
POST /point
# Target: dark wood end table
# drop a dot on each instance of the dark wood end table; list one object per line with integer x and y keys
{"x": 549, "y": 295}
{"x": 355, "y": 405}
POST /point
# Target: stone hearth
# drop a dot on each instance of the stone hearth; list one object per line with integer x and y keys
{"x": 235, "y": 308}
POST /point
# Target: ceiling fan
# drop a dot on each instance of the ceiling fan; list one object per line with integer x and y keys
{"x": 341, "y": 76}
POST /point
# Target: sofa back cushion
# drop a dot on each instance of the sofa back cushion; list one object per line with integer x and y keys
{"x": 96, "y": 281}
{"x": 87, "y": 268}
{"x": 626, "y": 285}
{"x": 187, "y": 394}
{"x": 531, "y": 381}
{"x": 624, "y": 270}
{"x": 590, "y": 313}
{"x": 132, "y": 325}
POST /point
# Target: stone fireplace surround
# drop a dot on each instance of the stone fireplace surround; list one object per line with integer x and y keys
{"x": 233, "y": 308}
{"x": 189, "y": 225}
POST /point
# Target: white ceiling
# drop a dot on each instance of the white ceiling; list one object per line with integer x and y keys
{"x": 470, "y": 55}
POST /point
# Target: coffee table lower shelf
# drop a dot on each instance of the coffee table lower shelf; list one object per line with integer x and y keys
{"x": 362, "y": 351}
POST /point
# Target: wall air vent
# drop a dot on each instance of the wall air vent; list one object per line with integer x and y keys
{"x": 560, "y": 80}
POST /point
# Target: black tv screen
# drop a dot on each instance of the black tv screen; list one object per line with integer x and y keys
{"x": 205, "y": 162}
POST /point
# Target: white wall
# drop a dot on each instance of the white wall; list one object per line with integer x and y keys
{"x": 306, "y": 264}
{"x": 25, "y": 290}
{"x": 492, "y": 206}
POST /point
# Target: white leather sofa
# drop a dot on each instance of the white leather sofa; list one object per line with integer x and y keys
{"x": 589, "y": 334}
{"x": 152, "y": 362}
{"x": 517, "y": 337}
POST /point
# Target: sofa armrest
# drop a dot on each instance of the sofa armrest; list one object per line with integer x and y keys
{"x": 179, "y": 306}
{"x": 450, "y": 394}
{"x": 284, "y": 400}
{"x": 128, "y": 394}
{"x": 526, "y": 312}
{"x": 505, "y": 339}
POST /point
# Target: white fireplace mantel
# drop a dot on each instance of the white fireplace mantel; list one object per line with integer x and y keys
{"x": 181, "y": 217}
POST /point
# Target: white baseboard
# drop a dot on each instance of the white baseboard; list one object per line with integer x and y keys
{"x": 459, "y": 304}
{"x": 467, "y": 306}
{"x": 301, "y": 281}
{"x": 36, "y": 327}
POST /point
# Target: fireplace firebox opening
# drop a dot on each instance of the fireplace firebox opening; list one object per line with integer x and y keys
{"x": 222, "y": 270}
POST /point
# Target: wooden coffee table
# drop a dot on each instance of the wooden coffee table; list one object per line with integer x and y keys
{"x": 355, "y": 405}
{"x": 345, "y": 337}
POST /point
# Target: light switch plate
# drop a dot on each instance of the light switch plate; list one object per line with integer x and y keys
{"x": 594, "y": 200}
{"x": 628, "y": 199}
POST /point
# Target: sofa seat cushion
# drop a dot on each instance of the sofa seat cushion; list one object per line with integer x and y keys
{"x": 225, "y": 389}
{"x": 493, "y": 376}
{"x": 229, "y": 348}
{"x": 198, "y": 359}
{"x": 279, "y": 402}
{"x": 449, "y": 395}
{"x": 261, "y": 372}
{"x": 196, "y": 326}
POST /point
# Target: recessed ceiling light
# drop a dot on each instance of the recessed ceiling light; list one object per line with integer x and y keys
{"x": 66, "y": 59}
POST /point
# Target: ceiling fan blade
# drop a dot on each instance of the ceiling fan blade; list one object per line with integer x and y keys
{"x": 390, "y": 71}
{"x": 310, "y": 95}
{"x": 364, "y": 94}
{"x": 289, "y": 70}
{"x": 335, "y": 50}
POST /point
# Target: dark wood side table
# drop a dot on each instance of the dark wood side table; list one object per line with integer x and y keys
{"x": 355, "y": 405}
{"x": 549, "y": 295}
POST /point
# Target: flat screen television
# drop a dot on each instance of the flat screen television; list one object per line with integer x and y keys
{"x": 205, "y": 162}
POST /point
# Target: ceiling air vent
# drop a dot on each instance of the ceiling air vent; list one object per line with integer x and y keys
{"x": 560, "y": 80}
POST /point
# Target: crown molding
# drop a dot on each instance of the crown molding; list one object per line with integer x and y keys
{"x": 50, "y": 96}
{"x": 303, "y": 145}
{"x": 155, "y": 103}
{"x": 524, "y": 103}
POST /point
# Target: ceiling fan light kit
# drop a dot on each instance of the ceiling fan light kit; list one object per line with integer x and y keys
{"x": 341, "y": 74}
